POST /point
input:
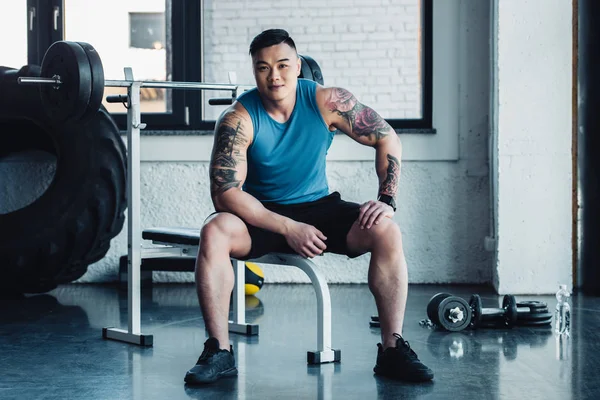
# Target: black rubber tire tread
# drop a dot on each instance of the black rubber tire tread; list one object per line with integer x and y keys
{"x": 70, "y": 226}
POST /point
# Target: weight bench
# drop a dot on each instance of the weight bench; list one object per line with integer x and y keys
{"x": 183, "y": 242}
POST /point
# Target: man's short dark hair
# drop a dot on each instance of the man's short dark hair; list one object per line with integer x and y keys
{"x": 270, "y": 37}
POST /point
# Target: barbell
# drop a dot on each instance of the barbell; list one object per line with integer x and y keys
{"x": 72, "y": 81}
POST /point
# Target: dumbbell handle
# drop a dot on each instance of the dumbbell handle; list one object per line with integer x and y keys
{"x": 501, "y": 311}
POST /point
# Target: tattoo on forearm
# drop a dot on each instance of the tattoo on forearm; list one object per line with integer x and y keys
{"x": 390, "y": 184}
{"x": 227, "y": 156}
{"x": 363, "y": 120}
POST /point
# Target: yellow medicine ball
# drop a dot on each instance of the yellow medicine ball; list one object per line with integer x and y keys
{"x": 254, "y": 278}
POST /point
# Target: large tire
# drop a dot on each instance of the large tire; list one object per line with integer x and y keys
{"x": 54, "y": 239}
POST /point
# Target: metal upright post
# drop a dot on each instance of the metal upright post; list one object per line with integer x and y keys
{"x": 134, "y": 232}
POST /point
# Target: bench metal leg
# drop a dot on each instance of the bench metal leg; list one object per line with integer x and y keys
{"x": 324, "y": 352}
{"x": 239, "y": 325}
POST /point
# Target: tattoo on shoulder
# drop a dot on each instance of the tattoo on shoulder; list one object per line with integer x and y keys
{"x": 227, "y": 154}
{"x": 363, "y": 120}
{"x": 390, "y": 184}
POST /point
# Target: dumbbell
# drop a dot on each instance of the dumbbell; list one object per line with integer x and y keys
{"x": 511, "y": 313}
{"x": 374, "y": 322}
{"x": 450, "y": 312}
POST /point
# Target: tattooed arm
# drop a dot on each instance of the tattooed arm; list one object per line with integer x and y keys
{"x": 341, "y": 110}
{"x": 228, "y": 167}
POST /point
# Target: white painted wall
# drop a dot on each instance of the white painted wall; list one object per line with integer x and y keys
{"x": 532, "y": 129}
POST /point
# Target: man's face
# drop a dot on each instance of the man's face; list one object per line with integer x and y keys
{"x": 276, "y": 70}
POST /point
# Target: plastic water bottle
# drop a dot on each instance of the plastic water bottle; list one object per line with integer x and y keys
{"x": 562, "y": 315}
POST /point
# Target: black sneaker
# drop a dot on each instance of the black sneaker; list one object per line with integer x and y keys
{"x": 213, "y": 364}
{"x": 401, "y": 362}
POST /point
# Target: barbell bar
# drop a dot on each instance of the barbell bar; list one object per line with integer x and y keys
{"x": 151, "y": 84}
{"x": 72, "y": 82}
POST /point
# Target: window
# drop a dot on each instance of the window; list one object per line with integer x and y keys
{"x": 381, "y": 51}
{"x": 13, "y": 27}
{"x": 128, "y": 34}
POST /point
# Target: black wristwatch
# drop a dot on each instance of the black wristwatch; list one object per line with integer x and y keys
{"x": 389, "y": 200}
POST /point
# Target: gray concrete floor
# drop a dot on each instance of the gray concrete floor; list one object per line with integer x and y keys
{"x": 51, "y": 347}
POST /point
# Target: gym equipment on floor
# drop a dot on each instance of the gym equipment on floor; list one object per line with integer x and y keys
{"x": 511, "y": 313}
{"x": 453, "y": 313}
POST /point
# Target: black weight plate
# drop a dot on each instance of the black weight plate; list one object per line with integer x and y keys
{"x": 375, "y": 318}
{"x": 374, "y": 324}
{"x": 546, "y": 321}
{"x": 527, "y": 310}
{"x": 432, "y": 306}
{"x": 444, "y": 314}
{"x": 477, "y": 310}
{"x": 509, "y": 303}
{"x": 309, "y": 69}
{"x": 97, "y": 73}
{"x": 533, "y": 306}
{"x": 70, "y": 101}
{"x": 534, "y": 316}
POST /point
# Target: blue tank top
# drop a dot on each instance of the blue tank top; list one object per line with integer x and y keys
{"x": 286, "y": 161}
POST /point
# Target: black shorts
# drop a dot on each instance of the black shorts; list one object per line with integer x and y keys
{"x": 330, "y": 214}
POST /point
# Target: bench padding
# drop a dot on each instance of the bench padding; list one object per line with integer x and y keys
{"x": 185, "y": 236}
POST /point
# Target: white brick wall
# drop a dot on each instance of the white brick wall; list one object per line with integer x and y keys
{"x": 370, "y": 48}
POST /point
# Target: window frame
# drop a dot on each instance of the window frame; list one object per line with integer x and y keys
{"x": 185, "y": 20}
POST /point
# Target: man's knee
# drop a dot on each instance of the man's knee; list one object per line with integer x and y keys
{"x": 386, "y": 236}
{"x": 221, "y": 231}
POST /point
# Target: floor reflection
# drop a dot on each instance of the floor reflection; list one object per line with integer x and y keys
{"x": 475, "y": 345}
{"x": 51, "y": 347}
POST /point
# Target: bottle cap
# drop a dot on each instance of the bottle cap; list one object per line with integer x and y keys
{"x": 562, "y": 287}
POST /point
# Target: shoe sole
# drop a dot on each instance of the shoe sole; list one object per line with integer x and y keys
{"x": 192, "y": 379}
{"x": 408, "y": 378}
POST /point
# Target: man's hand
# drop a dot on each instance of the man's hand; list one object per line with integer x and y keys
{"x": 305, "y": 239}
{"x": 372, "y": 212}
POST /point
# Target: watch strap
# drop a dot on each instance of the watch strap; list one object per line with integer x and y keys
{"x": 389, "y": 200}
